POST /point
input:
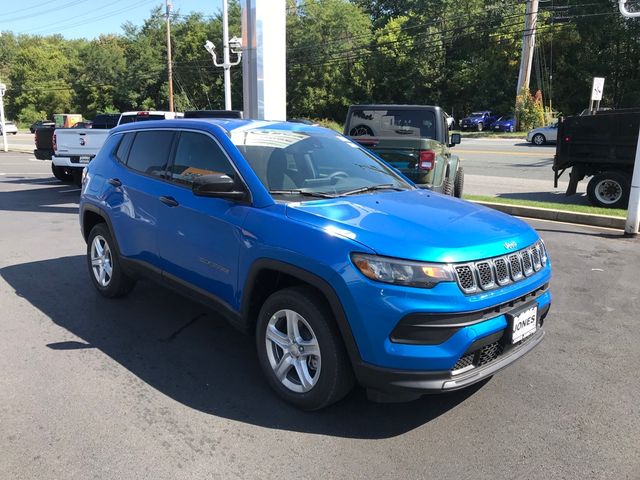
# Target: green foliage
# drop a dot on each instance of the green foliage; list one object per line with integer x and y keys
{"x": 529, "y": 110}
{"x": 462, "y": 56}
{"x": 326, "y": 48}
{"x": 326, "y": 123}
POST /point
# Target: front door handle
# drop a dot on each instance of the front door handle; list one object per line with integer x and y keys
{"x": 114, "y": 182}
{"x": 170, "y": 201}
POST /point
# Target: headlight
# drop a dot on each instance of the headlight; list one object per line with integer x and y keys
{"x": 402, "y": 272}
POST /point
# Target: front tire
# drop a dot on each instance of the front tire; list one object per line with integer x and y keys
{"x": 538, "y": 139}
{"x": 300, "y": 349}
{"x": 480, "y": 127}
{"x": 105, "y": 268}
{"x": 609, "y": 190}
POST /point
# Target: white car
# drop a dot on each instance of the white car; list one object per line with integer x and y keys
{"x": 542, "y": 135}
{"x": 10, "y": 128}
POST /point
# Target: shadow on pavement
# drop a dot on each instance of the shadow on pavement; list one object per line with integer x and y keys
{"x": 49, "y": 197}
{"x": 533, "y": 145}
{"x": 192, "y": 355}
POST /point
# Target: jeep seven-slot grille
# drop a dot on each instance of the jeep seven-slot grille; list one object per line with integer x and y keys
{"x": 499, "y": 271}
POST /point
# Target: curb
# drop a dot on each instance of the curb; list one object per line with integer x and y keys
{"x": 557, "y": 215}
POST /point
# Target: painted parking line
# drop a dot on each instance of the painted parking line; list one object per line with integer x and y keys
{"x": 72, "y": 190}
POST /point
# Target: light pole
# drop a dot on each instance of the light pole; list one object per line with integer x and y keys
{"x": 169, "y": 7}
{"x": 3, "y": 88}
{"x": 235, "y": 45}
{"x": 633, "y": 212}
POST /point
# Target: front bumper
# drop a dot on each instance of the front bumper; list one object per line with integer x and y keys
{"x": 412, "y": 384}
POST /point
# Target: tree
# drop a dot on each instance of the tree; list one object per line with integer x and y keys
{"x": 327, "y": 52}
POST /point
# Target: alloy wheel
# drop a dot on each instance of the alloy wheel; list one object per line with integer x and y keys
{"x": 293, "y": 351}
{"x": 101, "y": 261}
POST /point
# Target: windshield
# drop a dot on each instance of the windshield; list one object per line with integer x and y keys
{"x": 477, "y": 114}
{"x": 321, "y": 164}
{"x": 392, "y": 123}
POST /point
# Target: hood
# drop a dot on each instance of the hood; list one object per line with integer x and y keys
{"x": 417, "y": 225}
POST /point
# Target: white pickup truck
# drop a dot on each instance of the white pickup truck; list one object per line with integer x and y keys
{"x": 75, "y": 147}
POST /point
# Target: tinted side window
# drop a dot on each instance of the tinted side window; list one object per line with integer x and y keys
{"x": 197, "y": 155}
{"x": 123, "y": 148}
{"x": 150, "y": 152}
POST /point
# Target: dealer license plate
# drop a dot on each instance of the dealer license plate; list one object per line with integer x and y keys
{"x": 524, "y": 324}
{"x": 85, "y": 159}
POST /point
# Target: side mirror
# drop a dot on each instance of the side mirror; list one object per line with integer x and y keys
{"x": 455, "y": 139}
{"x": 217, "y": 185}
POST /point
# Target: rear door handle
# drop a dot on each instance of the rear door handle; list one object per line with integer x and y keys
{"x": 114, "y": 182}
{"x": 170, "y": 201}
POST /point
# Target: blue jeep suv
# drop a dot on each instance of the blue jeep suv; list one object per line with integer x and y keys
{"x": 341, "y": 267}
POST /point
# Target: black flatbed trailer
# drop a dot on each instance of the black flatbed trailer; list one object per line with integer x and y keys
{"x": 602, "y": 146}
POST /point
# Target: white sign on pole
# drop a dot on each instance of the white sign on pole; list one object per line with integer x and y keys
{"x": 597, "y": 89}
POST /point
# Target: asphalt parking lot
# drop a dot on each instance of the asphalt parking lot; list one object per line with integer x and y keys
{"x": 154, "y": 386}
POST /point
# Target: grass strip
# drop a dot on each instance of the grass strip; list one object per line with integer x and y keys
{"x": 566, "y": 207}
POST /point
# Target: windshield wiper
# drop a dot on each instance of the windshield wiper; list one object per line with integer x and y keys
{"x": 304, "y": 193}
{"x": 373, "y": 188}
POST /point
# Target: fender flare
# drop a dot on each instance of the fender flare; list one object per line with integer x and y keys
{"x": 315, "y": 281}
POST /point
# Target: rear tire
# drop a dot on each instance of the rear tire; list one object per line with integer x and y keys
{"x": 77, "y": 176}
{"x": 458, "y": 185}
{"x": 281, "y": 350}
{"x": 61, "y": 173}
{"x": 480, "y": 127}
{"x": 105, "y": 268}
{"x": 609, "y": 190}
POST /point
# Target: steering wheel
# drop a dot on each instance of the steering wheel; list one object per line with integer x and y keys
{"x": 335, "y": 177}
{"x": 361, "y": 131}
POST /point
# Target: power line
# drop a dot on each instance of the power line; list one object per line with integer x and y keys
{"x": 44, "y": 12}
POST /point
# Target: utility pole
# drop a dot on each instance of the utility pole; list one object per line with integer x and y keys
{"x": 234, "y": 45}
{"x": 633, "y": 210}
{"x": 3, "y": 88}
{"x": 169, "y": 7}
{"x": 528, "y": 44}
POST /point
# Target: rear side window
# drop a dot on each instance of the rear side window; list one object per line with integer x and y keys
{"x": 392, "y": 123}
{"x": 197, "y": 155}
{"x": 123, "y": 148}
{"x": 150, "y": 152}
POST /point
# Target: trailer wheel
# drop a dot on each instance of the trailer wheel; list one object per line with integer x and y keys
{"x": 609, "y": 190}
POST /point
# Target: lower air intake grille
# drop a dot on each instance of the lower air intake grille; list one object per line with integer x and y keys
{"x": 464, "y": 362}
{"x": 489, "y": 353}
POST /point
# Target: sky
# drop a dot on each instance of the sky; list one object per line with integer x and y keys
{"x": 87, "y": 18}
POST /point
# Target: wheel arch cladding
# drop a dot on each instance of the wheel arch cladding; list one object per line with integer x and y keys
{"x": 268, "y": 276}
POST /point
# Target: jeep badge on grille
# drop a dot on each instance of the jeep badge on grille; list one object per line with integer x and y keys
{"x": 510, "y": 245}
